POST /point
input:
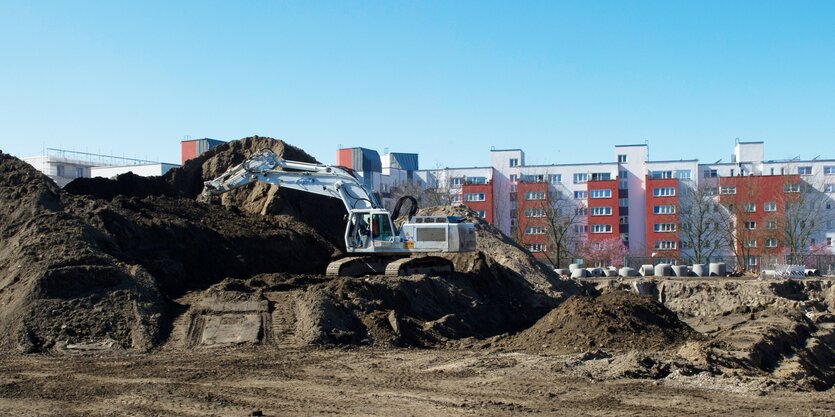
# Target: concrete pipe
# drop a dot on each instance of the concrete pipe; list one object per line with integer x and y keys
{"x": 663, "y": 270}
{"x": 595, "y": 272}
{"x": 563, "y": 272}
{"x": 681, "y": 270}
{"x": 610, "y": 272}
{"x": 579, "y": 273}
{"x": 628, "y": 272}
{"x": 647, "y": 270}
{"x": 718, "y": 269}
{"x": 699, "y": 270}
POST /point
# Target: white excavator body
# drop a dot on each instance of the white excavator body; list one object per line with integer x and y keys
{"x": 370, "y": 229}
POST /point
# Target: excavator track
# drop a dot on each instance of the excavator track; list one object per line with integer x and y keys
{"x": 419, "y": 265}
{"x": 357, "y": 266}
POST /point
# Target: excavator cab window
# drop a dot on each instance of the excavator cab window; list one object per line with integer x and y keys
{"x": 381, "y": 227}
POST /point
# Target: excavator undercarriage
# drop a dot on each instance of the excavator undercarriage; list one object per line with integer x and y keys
{"x": 392, "y": 266}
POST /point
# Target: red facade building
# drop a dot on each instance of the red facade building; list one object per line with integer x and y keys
{"x": 479, "y": 197}
{"x": 758, "y": 205}
{"x": 662, "y": 206}
{"x": 532, "y": 205}
{"x": 603, "y": 210}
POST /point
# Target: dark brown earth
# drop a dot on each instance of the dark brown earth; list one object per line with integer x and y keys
{"x": 616, "y": 321}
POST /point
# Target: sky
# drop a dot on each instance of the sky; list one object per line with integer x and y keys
{"x": 563, "y": 80}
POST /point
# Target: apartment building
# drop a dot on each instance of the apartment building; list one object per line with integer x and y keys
{"x": 649, "y": 205}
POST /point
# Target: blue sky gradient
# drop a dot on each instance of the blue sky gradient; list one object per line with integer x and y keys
{"x": 562, "y": 80}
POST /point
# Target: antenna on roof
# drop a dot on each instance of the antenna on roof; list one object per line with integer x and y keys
{"x": 816, "y": 158}
{"x": 719, "y": 161}
{"x": 492, "y": 148}
{"x": 736, "y": 141}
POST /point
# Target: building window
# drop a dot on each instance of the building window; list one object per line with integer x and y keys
{"x": 829, "y": 170}
{"x": 480, "y": 213}
{"x": 601, "y": 228}
{"x": 791, "y": 188}
{"x": 829, "y": 188}
{"x": 60, "y": 170}
{"x": 727, "y": 189}
{"x": 621, "y": 159}
{"x": 476, "y": 180}
{"x": 683, "y": 174}
{"x": 752, "y": 261}
{"x": 601, "y": 211}
{"x": 474, "y": 197}
{"x": 666, "y": 209}
{"x": 770, "y": 224}
{"x": 581, "y": 211}
{"x": 535, "y": 195}
{"x": 750, "y": 207}
{"x": 536, "y": 247}
{"x": 456, "y": 199}
{"x": 771, "y": 242}
{"x": 512, "y": 177}
{"x": 603, "y": 193}
{"x": 535, "y": 230}
{"x": 829, "y": 241}
{"x": 770, "y": 206}
{"x": 554, "y": 179}
{"x": 658, "y": 175}
{"x": 601, "y": 176}
{"x": 581, "y": 178}
{"x": 624, "y": 219}
{"x": 711, "y": 173}
{"x": 664, "y": 244}
{"x": 581, "y": 195}
{"x": 535, "y": 212}
{"x": 455, "y": 181}
{"x": 751, "y": 225}
{"x": 663, "y": 192}
{"x": 804, "y": 170}
{"x": 581, "y": 228}
{"x": 79, "y": 172}
{"x": 514, "y": 162}
{"x": 623, "y": 202}
{"x": 751, "y": 243}
{"x": 664, "y": 227}
{"x": 623, "y": 184}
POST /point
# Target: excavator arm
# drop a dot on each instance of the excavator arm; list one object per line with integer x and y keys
{"x": 330, "y": 181}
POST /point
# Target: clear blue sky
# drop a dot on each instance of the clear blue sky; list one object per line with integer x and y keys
{"x": 446, "y": 79}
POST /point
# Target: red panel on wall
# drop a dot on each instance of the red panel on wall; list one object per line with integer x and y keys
{"x": 188, "y": 150}
{"x": 611, "y": 220}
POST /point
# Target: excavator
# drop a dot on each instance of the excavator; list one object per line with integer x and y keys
{"x": 373, "y": 244}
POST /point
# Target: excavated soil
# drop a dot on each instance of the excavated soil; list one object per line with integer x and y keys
{"x": 615, "y": 321}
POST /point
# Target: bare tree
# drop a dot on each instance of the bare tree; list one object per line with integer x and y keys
{"x": 435, "y": 192}
{"x": 558, "y": 215}
{"x": 701, "y": 225}
{"x": 743, "y": 229}
{"x": 805, "y": 215}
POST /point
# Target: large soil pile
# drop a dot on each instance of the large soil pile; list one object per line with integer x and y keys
{"x": 78, "y": 271}
{"x": 614, "y": 321}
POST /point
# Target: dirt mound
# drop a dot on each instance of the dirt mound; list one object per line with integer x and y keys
{"x": 614, "y": 321}
{"x": 325, "y": 215}
{"x": 85, "y": 272}
{"x": 56, "y": 285}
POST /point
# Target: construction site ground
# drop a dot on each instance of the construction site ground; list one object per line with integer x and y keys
{"x": 364, "y": 381}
